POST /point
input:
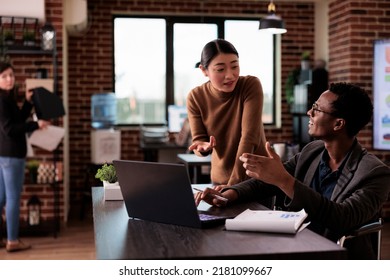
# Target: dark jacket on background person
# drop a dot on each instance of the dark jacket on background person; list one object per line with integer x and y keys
{"x": 13, "y": 126}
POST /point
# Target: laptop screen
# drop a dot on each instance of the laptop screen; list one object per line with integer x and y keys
{"x": 159, "y": 192}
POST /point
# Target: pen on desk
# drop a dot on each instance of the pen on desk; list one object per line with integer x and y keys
{"x": 213, "y": 195}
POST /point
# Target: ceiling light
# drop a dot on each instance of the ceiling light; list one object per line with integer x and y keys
{"x": 272, "y": 23}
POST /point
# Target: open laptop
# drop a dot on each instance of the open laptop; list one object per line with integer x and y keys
{"x": 161, "y": 192}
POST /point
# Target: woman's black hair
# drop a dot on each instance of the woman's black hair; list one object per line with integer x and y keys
{"x": 4, "y": 66}
{"x": 352, "y": 104}
{"x": 215, "y": 47}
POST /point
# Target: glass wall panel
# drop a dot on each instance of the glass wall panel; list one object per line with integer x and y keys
{"x": 256, "y": 51}
{"x": 140, "y": 69}
{"x": 188, "y": 42}
{"x": 151, "y": 69}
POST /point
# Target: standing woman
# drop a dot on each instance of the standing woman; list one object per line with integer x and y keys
{"x": 13, "y": 150}
{"x": 225, "y": 113}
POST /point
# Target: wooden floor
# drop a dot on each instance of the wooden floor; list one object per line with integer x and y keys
{"x": 76, "y": 242}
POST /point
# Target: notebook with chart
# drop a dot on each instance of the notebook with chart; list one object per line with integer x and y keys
{"x": 268, "y": 221}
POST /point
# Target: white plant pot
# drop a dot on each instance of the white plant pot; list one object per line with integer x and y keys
{"x": 305, "y": 64}
{"x": 112, "y": 191}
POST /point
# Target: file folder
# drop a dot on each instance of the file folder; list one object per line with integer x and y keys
{"x": 47, "y": 105}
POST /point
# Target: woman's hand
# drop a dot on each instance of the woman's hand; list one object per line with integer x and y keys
{"x": 203, "y": 147}
{"x": 28, "y": 95}
{"x": 42, "y": 124}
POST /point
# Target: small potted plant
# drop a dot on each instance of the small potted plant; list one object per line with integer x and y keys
{"x": 32, "y": 167}
{"x": 28, "y": 38}
{"x": 292, "y": 80}
{"x": 107, "y": 174}
{"x": 8, "y": 37}
{"x": 305, "y": 60}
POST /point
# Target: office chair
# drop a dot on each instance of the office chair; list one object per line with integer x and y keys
{"x": 374, "y": 228}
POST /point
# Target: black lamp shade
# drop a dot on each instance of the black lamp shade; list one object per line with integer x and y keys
{"x": 272, "y": 24}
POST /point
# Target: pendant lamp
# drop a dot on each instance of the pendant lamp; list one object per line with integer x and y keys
{"x": 272, "y": 23}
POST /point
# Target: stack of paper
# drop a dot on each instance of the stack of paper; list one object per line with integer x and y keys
{"x": 48, "y": 138}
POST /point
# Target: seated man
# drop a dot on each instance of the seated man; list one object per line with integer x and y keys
{"x": 339, "y": 184}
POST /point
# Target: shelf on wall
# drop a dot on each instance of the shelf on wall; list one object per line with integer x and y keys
{"x": 19, "y": 49}
{"x": 12, "y": 28}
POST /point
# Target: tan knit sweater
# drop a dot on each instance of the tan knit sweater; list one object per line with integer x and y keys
{"x": 234, "y": 119}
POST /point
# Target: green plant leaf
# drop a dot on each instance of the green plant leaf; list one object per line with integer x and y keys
{"x": 305, "y": 55}
{"x": 107, "y": 173}
{"x": 292, "y": 80}
{"x": 32, "y": 164}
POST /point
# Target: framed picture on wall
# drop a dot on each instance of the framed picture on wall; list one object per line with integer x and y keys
{"x": 381, "y": 94}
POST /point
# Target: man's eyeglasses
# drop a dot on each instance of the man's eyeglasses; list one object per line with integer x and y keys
{"x": 314, "y": 108}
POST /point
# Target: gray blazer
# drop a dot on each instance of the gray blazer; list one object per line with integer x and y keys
{"x": 358, "y": 196}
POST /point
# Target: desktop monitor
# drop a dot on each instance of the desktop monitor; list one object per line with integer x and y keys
{"x": 176, "y": 117}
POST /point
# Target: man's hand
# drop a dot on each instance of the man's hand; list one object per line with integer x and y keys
{"x": 210, "y": 196}
{"x": 269, "y": 169}
{"x": 213, "y": 196}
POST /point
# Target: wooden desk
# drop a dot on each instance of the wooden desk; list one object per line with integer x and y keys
{"x": 194, "y": 163}
{"x": 118, "y": 237}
